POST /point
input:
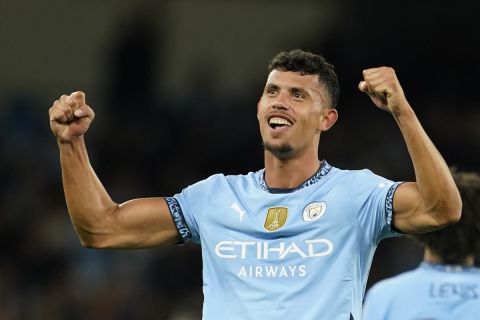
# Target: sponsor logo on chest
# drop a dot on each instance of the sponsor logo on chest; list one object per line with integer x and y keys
{"x": 291, "y": 253}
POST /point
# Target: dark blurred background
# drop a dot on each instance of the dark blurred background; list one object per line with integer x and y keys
{"x": 175, "y": 86}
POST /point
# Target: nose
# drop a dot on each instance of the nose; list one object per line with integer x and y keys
{"x": 280, "y": 102}
{"x": 279, "y": 106}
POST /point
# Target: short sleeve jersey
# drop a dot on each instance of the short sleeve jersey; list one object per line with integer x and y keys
{"x": 301, "y": 253}
{"x": 432, "y": 291}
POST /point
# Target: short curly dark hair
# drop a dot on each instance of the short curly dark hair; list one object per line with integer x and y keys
{"x": 453, "y": 244}
{"x": 309, "y": 63}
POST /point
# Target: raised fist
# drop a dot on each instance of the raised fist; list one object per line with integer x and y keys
{"x": 383, "y": 87}
{"x": 70, "y": 116}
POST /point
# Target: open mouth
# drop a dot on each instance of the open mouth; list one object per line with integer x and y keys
{"x": 277, "y": 122}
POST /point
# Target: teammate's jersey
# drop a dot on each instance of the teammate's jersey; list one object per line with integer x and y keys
{"x": 285, "y": 254}
{"x": 430, "y": 292}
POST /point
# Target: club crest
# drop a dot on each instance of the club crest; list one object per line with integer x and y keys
{"x": 276, "y": 218}
{"x": 314, "y": 211}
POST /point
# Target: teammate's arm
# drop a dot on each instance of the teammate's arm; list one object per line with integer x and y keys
{"x": 98, "y": 220}
{"x": 433, "y": 201}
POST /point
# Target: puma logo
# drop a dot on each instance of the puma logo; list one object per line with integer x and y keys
{"x": 239, "y": 210}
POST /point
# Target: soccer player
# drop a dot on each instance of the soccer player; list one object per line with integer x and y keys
{"x": 446, "y": 285}
{"x": 294, "y": 240}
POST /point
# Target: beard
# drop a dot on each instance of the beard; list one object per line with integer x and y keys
{"x": 283, "y": 151}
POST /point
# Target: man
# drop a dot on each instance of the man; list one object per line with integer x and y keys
{"x": 446, "y": 285}
{"x": 293, "y": 240}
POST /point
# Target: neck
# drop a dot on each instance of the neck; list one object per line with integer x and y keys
{"x": 431, "y": 257}
{"x": 289, "y": 173}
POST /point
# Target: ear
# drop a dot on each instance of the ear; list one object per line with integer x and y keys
{"x": 330, "y": 116}
{"x": 258, "y": 107}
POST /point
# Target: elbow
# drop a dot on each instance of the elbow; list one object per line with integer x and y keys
{"x": 90, "y": 239}
{"x": 449, "y": 212}
{"x": 94, "y": 233}
{"x": 86, "y": 243}
{"x": 455, "y": 208}
{"x": 92, "y": 242}
{"x": 451, "y": 217}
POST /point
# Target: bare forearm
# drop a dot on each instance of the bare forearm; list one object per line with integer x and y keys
{"x": 99, "y": 221}
{"x": 87, "y": 200}
{"x": 433, "y": 201}
{"x": 434, "y": 181}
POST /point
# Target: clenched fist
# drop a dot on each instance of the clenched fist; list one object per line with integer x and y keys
{"x": 70, "y": 116}
{"x": 383, "y": 87}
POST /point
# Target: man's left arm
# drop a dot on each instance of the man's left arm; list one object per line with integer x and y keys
{"x": 433, "y": 201}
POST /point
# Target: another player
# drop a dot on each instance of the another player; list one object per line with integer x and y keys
{"x": 294, "y": 240}
{"x": 446, "y": 285}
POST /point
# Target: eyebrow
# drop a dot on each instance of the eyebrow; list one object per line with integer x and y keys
{"x": 300, "y": 90}
{"x": 272, "y": 86}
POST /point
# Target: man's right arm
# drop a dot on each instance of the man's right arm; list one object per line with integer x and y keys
{"x": 98, "y": 220}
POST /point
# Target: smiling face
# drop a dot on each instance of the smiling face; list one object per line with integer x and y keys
{"x": 292, "y": 112}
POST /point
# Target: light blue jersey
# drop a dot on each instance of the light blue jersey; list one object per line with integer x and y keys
{"x": 430, "y": 292}
{"x": 285, "y": 254}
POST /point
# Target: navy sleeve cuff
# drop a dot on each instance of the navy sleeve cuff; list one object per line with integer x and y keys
{"x": 389, "y": 207}
{"x": 179, "y": 220}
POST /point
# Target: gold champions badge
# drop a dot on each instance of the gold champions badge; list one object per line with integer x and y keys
{"x": 276, "y": 218}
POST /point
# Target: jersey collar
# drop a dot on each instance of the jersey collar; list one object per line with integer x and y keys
{"x": 321, "y": 172}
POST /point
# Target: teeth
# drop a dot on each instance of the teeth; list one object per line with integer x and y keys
{"x": 279, "y": 121}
